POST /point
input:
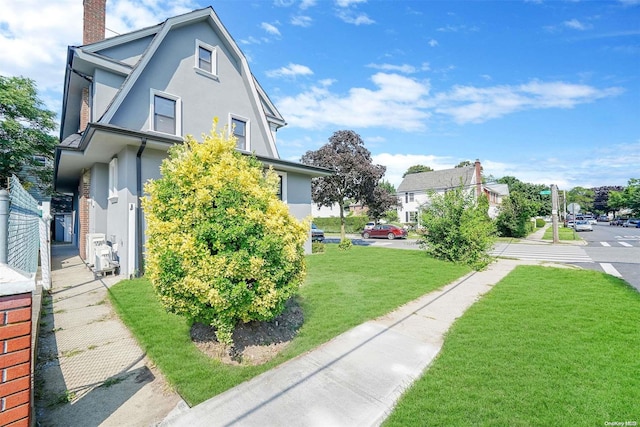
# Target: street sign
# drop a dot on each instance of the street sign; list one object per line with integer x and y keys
{"x": 545, "y": 192}
{"x": 574, "y": 208}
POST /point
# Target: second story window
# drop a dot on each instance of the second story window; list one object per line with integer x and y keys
{"x": 165, "y": 113}
{"x": 240, "y": 130}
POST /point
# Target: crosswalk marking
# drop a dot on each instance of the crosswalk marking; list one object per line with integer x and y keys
{"x": 605, "y": 244}
{"x": 610, "y": 269}
{"x": 626, "y": 244}
{"x": 553, "y": 253}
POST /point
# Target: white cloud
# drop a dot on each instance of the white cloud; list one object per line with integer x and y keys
{"x": 34, "y": 47}
{"x": 291, "y": 70}
{"x": 348, "y": 3}
{"x": 396, "y": 102}
{"x": 301, "y": 21}
{"x": 433, "y": 42}
{"x": 306, "y": 4}
{"x": 270, "y": 28}
{"x": 404, "y": 68}
{"x": 468, "y": 104}
{"x": 351, "y": 17}
{"x": 576, "y": 25}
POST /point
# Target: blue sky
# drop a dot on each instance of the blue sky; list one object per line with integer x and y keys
{"x": 546, "y": 91}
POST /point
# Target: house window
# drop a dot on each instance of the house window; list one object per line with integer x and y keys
{"x": 413, "y": 216}
{"x": 408, "y": 197}
{"x": 113, "y": 180}
{"x": 165, "y": 113}
{"x": 206, "y": 59}
{"x": 282, "y": 186}
{"x": 240, "y": 129}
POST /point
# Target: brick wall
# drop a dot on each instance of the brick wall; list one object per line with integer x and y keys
{"x": 15, "y": 359}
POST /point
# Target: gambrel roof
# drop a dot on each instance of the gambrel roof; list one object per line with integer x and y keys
{"x": 83, "y": 60}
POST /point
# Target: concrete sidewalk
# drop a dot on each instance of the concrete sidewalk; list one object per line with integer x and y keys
{"x": 354, "y": 379}
{"x": 90, "y": 371}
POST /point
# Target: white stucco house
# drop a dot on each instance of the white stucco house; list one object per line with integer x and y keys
{"x": 414, "y": 189}
{"x": 128, "y": 98}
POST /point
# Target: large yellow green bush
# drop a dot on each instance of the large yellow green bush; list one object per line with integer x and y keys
{"x": 221, "y": 247}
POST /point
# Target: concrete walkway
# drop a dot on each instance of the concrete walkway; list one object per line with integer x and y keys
{"x": 90, "y": 370}
{"x": 356, "y": 378}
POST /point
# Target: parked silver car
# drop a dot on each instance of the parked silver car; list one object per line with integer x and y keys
{"x": 583, "y": 225}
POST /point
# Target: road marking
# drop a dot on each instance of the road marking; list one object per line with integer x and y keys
{"x": 626, "y": 244}
{"x": 605, "y": 244}
{"x": 610, "y": 269}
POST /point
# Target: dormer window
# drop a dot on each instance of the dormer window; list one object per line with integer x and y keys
{"x": 206, "y": 59}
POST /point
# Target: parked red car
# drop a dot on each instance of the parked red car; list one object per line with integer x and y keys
{"x": 385, "y": 231}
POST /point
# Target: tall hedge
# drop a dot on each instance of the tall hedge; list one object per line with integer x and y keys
{"x": 221, "y": 248}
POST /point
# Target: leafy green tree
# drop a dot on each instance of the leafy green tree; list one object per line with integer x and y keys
{"x": 601, "y": 198}
{"x": 26, "y": 147}
{"x": 537, "y": 203}
{"x": 222, "y": 248}
{"x": 355, "y": 177}
{"x": 616, "y": 201}
{"x": 458, "y": 228}
{"x": 583, "y": 197}
{"x": 515, "y": 213}
{"x": 632, "y": 195}
{"x": 417, "y": 169}
{"x": 384, "y": 199}
{"x": 464, "y": 164}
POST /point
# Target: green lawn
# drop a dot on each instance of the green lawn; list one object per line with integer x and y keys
{"x": 342, "y": 290}
{"x": 564, "y": 233}
{"x": 545, "y": 347}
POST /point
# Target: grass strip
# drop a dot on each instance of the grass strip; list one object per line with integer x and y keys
{"x": 545, "y": 347}
{"x": 342, "y": 290}
{"x": 564, "y": 233}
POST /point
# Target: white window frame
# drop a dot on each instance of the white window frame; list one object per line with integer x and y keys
{"x": 283, "y": 178}
{"x": 113, "y": 180}
{"x": 247, "y": 130}
{"x": 178, "y": 118}
{"x": 214, "y": 59}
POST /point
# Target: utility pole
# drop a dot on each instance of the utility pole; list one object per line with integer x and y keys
{"x": 554, "y": 212}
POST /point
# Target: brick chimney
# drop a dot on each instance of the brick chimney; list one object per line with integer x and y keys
{"x": 94, "y": 21}
{"x": 93, "y": 28}
{"x": 478, "y": 172}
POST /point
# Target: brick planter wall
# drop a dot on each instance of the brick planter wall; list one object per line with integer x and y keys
{"x": 15, "y": 359}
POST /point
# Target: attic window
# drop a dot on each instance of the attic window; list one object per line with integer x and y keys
{"x": 206, "y": 59}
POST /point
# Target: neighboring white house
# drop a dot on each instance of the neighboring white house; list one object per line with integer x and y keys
{"x": 414, "y": 189}
{"x": 129, "y": 98}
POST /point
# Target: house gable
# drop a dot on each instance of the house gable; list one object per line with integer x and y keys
{"x": 168, "y": 59}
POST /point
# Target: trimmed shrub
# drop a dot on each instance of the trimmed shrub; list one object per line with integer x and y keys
{"x": 540, "y": 222}
{"x": 317, "y": 247}
{"x": 345, "y": 244}
{"x": 221, "y": 248}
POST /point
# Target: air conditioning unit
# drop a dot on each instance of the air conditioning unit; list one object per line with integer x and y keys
{"x": 102, "y": 258}
{"x": 94, "y": 240}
